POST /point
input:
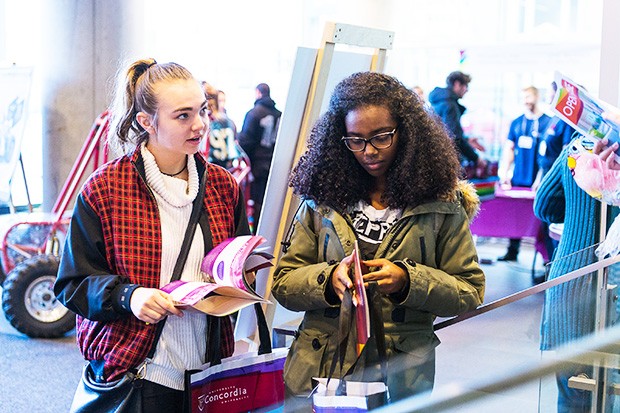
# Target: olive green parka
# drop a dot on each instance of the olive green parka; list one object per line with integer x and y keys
{"x": 431, "y": 241}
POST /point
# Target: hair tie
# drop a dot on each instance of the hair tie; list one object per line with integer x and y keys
{"x": 152, "y": 64}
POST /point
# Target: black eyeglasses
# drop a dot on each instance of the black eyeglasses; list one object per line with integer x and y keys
{"x": 379, "y": 141}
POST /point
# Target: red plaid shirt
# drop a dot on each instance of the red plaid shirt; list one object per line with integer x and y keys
{"x": 131, "y": 238}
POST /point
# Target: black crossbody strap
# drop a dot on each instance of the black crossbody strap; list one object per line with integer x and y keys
{"x": 344, "y": 328}
{"x": 191, "y": 230}
{"x": 264, "y": 346}
{"x": 264, "y": 337}
{"x": 214, "y": 332}
{"x": 377, "y": 327}
{"x": 345, "y": 324}
{"x": 182, "y": 258}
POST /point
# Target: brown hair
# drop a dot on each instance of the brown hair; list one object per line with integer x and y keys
{"x": 135, "y": 92}
{"x": 264, "y": 90}
{"x": 458, "y": 76}
{"x": 532, "y": 89}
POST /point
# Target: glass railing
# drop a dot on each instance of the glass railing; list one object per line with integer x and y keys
{"x": 501, "y": 392}
{"x": 490, "y": 360}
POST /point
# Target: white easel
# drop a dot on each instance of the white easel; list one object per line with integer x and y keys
{"x": 15, "y": 83}
{"x": 315, "y": 73}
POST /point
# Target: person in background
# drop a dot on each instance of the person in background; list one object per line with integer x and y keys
{"x": 602, "y": 147}
{"x": 364, "y": 177}
{"x": 445, "y": 103}
{"x": 606, "y": 152}
{"x": 569, "y": 309}
{"x": 126, "y": 232}
{"x": 556, "y": 137}
{"x": 520, "y": 152}
{"x": 419, "y": 91}
{"x": 257, "y": 138}
{"x": 221, "y": 140}
{"x": 221, "y": 101}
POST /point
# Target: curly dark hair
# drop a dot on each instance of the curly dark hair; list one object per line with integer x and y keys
{"x": 426, "y": 166}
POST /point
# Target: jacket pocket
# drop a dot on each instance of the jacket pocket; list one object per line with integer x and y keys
{"x": 419, "y": 346}
{"x": 304, "y": 361}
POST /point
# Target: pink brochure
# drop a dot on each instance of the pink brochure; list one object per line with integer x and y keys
{"x": 362, "y": 316}
{"x": 229, "y": 271}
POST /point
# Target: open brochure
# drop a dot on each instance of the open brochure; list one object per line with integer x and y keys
{"x": 362, "y": 314}
{"x": 229, "y": 270}
{"x": 574, "y": 105}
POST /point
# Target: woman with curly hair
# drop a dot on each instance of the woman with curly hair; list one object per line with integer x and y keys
{"x": 381, "y": 171}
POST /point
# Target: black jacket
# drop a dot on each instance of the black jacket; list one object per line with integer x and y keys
{"x": 258, "y": 134}
{"x": 446, "y": 105}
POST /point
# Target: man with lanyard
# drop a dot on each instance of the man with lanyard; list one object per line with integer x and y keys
{"x": 520, "y": 153}
{"x": 557, "y": 135}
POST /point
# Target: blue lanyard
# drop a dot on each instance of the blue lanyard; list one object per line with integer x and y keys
{"x": 533, "y": 132}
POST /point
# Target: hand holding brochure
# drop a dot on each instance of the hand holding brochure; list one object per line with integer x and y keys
{"x": 362, "y": 313}
{"x": 582, "y": 111}
{"x": 229, "y": 270}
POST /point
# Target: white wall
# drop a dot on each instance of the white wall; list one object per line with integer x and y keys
{"x": 236, "y": 44}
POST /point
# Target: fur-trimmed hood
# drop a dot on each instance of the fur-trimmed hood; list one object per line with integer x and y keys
{"x": 466, "y": 191}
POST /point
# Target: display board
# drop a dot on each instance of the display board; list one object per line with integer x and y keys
{"x": 15, "y": 86}
{"x": 315, "y": 74}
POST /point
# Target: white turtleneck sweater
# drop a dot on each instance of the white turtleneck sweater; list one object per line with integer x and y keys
{"x": 182, "y": 345}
